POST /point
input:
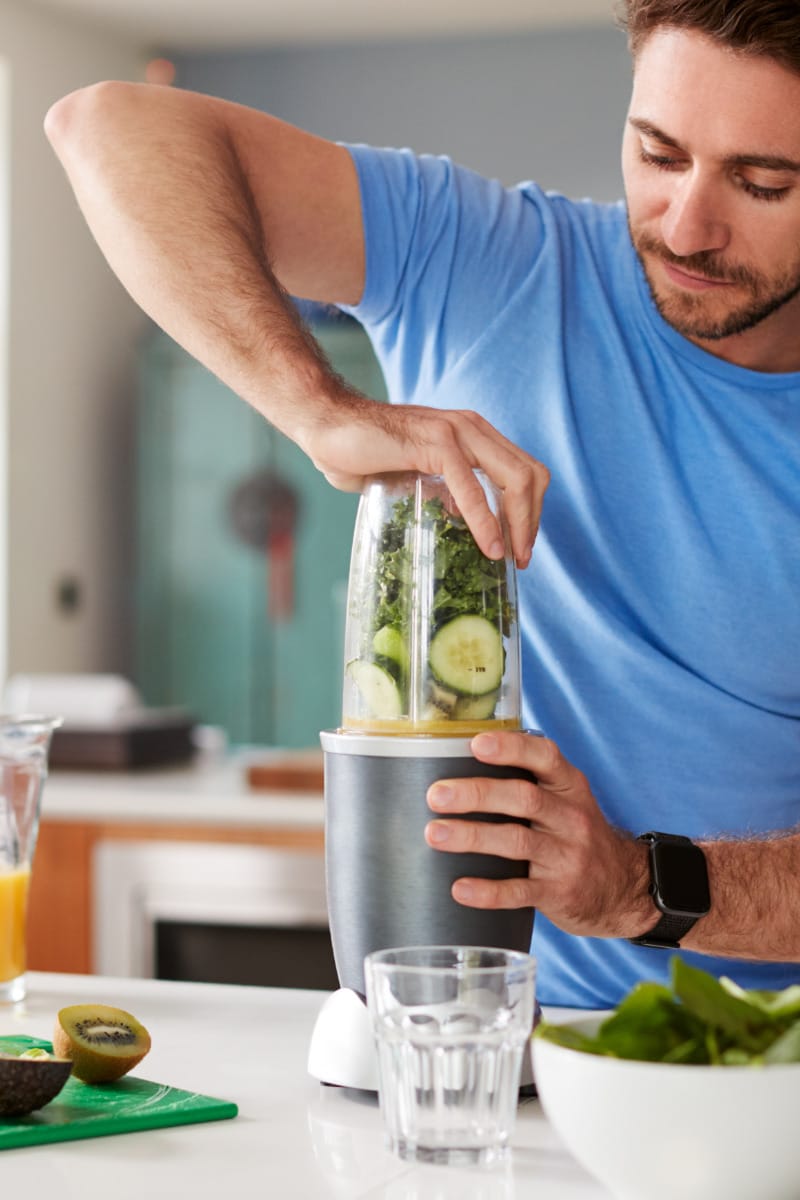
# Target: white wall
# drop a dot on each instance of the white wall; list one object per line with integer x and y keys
{"x": 70, "y": 369}
{"x": 548, "y": 105}
{"x": 5, "y": 271}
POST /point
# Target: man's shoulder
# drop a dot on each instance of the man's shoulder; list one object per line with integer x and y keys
{"x": 438, "y": 174}
{"x": 583, "y": 217}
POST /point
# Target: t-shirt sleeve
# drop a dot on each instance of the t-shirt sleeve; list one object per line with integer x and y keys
{"x": 445, "y": 248}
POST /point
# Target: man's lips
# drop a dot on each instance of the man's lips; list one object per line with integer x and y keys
{"x": 692, "y": 283}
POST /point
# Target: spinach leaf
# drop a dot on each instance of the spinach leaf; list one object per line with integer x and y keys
{"x": 564, "y": 1035}
{"x": 704, "y": 995}
{"x": 648, "y": 1024}
{"x": 779, "y": 1005}
{"x": 698, "y": 1020}
{"x": 785, "y": 1048}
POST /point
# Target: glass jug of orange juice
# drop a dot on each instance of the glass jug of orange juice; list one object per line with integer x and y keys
{"x": 24, "y": 745}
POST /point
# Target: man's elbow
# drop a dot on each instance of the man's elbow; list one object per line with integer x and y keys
{"x": 78, "y": 117}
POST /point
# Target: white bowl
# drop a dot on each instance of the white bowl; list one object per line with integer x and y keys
{"x": 664, "y": 1131}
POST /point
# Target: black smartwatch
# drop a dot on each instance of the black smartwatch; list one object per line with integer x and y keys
{"x": 679, "y": 887}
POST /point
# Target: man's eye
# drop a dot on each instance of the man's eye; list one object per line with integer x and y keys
{"x": 663, "y": 161}
{"x": 763, "y": 193}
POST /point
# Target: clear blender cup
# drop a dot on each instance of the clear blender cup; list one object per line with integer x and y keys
{"x": 431, "y": 637}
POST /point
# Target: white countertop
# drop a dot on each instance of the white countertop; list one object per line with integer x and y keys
{"x": 205, "y": 792}
{"x": 294, "y": 1139}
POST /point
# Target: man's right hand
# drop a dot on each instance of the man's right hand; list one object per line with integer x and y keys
{"x": 359, "y": 438}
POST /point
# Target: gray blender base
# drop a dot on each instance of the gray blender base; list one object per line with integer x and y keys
{"x": 342, "y": 1049}
{"x": 387, "y": 887}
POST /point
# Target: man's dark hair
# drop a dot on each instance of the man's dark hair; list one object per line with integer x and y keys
{"x": 764, "y": 27}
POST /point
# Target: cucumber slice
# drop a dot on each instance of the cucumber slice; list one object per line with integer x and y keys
{"x": 476, "y": 708}
{"x": 378, "y": 690}
{"x": 467, "y": 655}
{"x": 389, "y": 643}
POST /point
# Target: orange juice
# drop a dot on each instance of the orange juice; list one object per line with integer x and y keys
{"x": 13, "y": 910}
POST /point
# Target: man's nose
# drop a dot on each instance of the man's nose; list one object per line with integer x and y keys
{"x": 693, "y": 221}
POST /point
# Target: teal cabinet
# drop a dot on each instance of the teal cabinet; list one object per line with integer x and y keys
{"x": 205, "y": 636}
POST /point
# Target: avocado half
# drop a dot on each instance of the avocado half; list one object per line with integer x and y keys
{"x": 29, "y": 1083}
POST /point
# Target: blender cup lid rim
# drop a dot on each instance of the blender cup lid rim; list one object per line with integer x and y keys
{"x": 393, "y": 745}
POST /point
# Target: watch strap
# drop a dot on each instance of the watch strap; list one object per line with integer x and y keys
{"x": 667, "y": 933}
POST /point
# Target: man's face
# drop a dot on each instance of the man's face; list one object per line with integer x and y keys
{"x": 711, "y": 160}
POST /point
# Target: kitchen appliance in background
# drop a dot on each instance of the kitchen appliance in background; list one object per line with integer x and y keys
{"x": 105, "y": 723}
{"x": 211, "y": 913}
{"x": 431, "y": 658}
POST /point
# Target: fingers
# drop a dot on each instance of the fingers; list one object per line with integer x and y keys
{"x": 360, "y": 438}
{"x": 494, "y": 893}
{"x": 557, "y": 803}
{"x": 523, "y": 506}
{"x": 506, "y": 839}
{"x": 517, "y": 798}
{"x": 522, "y": 479}
{"x": 345, "y": 482}
{"x": 470, "y": 499}
{"x": 533, "y": 753}
{"x": 580, "y": 870}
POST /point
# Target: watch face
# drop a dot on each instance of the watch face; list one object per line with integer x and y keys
{"x": 681, "y": 879}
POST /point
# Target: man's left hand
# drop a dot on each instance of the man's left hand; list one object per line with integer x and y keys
{"x": 584, "y": 875}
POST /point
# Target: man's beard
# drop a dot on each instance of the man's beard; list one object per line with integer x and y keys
{"x": 684, "y": 310}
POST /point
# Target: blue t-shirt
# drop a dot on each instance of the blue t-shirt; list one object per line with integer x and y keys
{"x": 660, "y": 621}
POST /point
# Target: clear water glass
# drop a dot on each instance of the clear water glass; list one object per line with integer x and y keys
{"x": 451, "y": 1025}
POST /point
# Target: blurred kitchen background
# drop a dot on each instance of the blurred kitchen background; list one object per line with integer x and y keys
{"x": 152, "y": 527}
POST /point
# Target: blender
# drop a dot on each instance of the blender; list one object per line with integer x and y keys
{"x": 431, "y": 659}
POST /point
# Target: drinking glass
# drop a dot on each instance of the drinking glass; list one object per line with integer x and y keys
{"x": 451, "y": 1024}
{"x": 24, "y": 744}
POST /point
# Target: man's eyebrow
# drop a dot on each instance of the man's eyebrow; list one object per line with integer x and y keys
{"x": 768, "y": 162}
{"x": 653, "y": 131}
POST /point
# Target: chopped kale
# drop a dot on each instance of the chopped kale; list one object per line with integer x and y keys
{"x": 464, "y": 580}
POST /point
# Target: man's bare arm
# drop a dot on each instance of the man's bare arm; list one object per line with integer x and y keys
{"x": 755, "y": 900}
{"x": 206, "y": 211}
{"x": 209, "y": 213}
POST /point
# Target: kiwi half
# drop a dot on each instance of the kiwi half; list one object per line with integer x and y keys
{"x": 102, "y": 1042}
{"x": 29, "y": 1083}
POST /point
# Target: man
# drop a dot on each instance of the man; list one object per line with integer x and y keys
{"x": 649, "y": 354}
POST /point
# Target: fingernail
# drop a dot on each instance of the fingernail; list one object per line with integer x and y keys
{"x": 463, "y": 891}
{"x": 438, "y": 831}
{"x": 485, "y": 743}
{"x": 440, "y": 795}
{"x": 497, "y": 550}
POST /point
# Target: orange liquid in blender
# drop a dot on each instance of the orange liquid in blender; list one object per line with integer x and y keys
{"x": 405, "y": 727}
{"x": 13, "y": 910}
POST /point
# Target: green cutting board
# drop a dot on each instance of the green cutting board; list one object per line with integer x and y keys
{"x": 82, "y": 1110}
